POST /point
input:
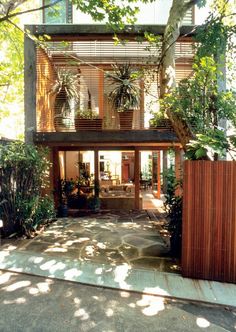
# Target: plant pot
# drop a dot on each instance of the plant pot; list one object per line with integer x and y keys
{"x": 126, "y": 120}
{"x": 62, "y": 211}
{"x": 62, "y": 123}
{"x": 88, "y": 124}
{"x": 94, "y": 203}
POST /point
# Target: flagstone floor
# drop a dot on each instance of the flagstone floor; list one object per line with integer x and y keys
{"x": 111, "y": 238}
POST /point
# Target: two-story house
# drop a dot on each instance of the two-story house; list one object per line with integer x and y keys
{"x": 125, "y": 159}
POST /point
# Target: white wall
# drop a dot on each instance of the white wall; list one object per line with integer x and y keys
{"x": 151, "y": 13}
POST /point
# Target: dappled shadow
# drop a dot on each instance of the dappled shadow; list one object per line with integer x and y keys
{"x": 42, "y": 304}
{"x": 107, "y": 239}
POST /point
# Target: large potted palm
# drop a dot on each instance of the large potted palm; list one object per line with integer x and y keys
{"x": 125, "y": 94}
{"x": 66, "y": 90}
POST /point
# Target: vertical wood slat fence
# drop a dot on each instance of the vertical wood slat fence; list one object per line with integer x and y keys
{"x": 209, "y": 220}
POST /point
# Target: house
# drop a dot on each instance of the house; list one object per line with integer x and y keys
{"x": 125, "y": 160}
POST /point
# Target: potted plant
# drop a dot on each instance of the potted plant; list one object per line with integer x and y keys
{"x": 125, "y": 94}
{"x": 66, "y": 90}
{"x": 86, "y": 119}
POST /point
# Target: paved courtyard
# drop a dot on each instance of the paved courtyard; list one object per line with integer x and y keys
{"x": 111, "y": 238}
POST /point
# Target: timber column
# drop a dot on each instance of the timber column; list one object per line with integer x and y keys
{"x": 30, "y": 78}
{"x": 136, "y": 178}
{"x": 96, "y": 173}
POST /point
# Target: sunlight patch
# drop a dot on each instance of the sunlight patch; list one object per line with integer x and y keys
{"x": 83, "y": 239}
{"x": 109, "y": 312}
{"x": 125, "y": 294}
{"x": 82, "y": 314}
{"x": 202, "y": 322}
{"x": 38, "y": 260}
{"x": 153, "y": 304}
{"x": 56, "y": 250}
{"x": 17, "y": 285}
{"x": 47, "y": 265}
{"x": 19, "y": 300}
{"x": 3, "y": 254}
{"x": 43, "y": 287}
{"x": 5, "y": 277}
{"x": 156, "y": 290}
{"x": 77, "y": 300}
{"x": 121, "y": 272}
{"x": 33, "y": 291}
{"x": 101, "y": 245}
{"x": 99, "y": 270}
{"x": 72, "y": 273}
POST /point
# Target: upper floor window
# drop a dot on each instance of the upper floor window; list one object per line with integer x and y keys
{"x": 59, "y": 13}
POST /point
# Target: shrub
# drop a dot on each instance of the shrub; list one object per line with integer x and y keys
{"x": 22, "y": 176}
{"x": 173, "y": 206}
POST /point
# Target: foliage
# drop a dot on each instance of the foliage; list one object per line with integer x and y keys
{"x": 114, "y": 13}
{"x": 199, "y": 101}
{"x": 22, "y": 176}
{"x": 125, "y": 94}
{"x": 67, "y": 82}
{"x": 173, "y": 206}
{"x": 86, "y": 114}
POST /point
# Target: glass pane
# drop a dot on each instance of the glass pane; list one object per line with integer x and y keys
{"x": 55, "y": 14}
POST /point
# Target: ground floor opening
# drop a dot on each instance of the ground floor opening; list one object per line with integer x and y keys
{"x": 121, "y": 179}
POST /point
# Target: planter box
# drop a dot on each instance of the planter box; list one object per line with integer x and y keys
{"x": 126, "y": 120}
{"x": 88, "y": 124}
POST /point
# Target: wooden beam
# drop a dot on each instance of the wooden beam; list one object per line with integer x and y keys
{"x": 107, "y": 136}
{"x": 136, "y": 178}
{"x": 100, "y": 31}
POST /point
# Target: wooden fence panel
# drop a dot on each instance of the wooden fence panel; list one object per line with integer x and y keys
{"x": 209, "y": 220}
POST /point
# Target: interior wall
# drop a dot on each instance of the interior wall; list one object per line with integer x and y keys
{"x": 71, "y": 163}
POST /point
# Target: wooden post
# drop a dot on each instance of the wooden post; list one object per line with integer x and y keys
{"x": 178, "y": 169}
{"x": 136, "y": 177}
{"x": 56, "y": 174}
{"x": 158, "y": 174}
{"x": 177, "y": 164}
{"x": 153, "y": 154}
{"x": 141, "y": 114}
{"x": 96, "y": 171}
{"x": 165, "y": 167}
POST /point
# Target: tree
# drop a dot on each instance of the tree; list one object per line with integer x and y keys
{"x": 199, "y": 100}
{"x": 167, "y": 73}
{"x": 12, "y": 59}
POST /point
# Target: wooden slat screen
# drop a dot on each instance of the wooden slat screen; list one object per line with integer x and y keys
{"x": 44, "y": 100}
{"x": 209, "y": 220}
{"x": 92, "y": 60}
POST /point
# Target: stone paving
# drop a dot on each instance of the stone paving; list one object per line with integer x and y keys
{"x": 111, "y": 238}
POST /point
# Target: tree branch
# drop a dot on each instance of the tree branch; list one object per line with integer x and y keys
{"x": 9, "y": 16}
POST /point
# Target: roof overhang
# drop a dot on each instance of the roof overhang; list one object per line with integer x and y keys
{"x": 71, "y": 31}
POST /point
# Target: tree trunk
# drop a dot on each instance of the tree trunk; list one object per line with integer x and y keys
{"x": 167, "y": 77}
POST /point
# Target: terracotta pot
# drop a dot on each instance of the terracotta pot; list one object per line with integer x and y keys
{"x": 126, "y": 120}
{"x": 88, "y": 124}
